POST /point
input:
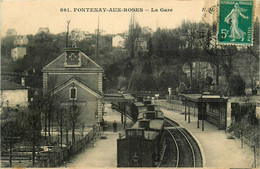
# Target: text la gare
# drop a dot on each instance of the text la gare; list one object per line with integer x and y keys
{"x": 161, "y": 10}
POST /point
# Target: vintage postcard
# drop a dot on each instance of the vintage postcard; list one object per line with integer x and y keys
{"x": 122, "y": 83}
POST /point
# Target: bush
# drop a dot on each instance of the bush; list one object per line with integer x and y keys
{"x": 237, "y": 86}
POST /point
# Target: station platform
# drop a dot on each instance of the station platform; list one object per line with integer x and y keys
{"x": 217, "y": 150}
{"x": 104, "y": 152}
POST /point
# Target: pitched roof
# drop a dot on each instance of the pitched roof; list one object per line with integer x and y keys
{"x": 11, "y": 31}
{"x": 185, "y": 66}
{"x": 8, "y": 85}
{"x": 118, "y": 97}
{"x": 128, "y": 96}
{"x": 79, "y": 83}
{"x": 139, "y": 104}
{"x": 87, "y": 64}
{"x": 46, "y": 30}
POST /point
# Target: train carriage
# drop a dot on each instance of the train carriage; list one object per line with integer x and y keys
{"x": 135, "y": 109}
{"x": 140, "y": 145}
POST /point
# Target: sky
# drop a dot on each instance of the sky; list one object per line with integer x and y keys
{"x": 27, "y": 16}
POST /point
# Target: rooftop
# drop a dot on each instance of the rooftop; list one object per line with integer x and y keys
{"x": 203, "y": 98}
{"x": 8, "y": 85}
{"x": 118, "y": 97}
{"x": 139, "y": 104}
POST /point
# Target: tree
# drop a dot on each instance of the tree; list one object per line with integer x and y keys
{"x": 226, "y": 63}
{"x": 219, "y": 55}
{"x": 211, "y": 51}
{"x": 190, "y": 35}
{"x": 209, "y": 80}
{"x": 128, "y": 69}
{"x": 87, "y": 46}
{"x": 166, "y": 45}
{"x": 49, "y": 103}
{"x": 248, "y": 67}
{"x": 254, "y": 50}
{"x": 112, "y": 72}
{"x": 147, "y": 68}
{"x": 7, "y": 44}
{"x": 143, "y": 82}
{"x": 150, "y": 48}
{"x": 74, "y": 114}
{"x": 32, "y": 124}
{"x": 63, "y": 119}
{"x": 134, "y": 33}
{"x": 11, "y": 132}
{"x": 252, "y": 53}
{"x": 171, "y": 78}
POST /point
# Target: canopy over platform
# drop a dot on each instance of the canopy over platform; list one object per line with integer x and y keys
{"x": 118, "y": 98}
{"x": 121, "y": 100}
{"x": 203, "y": 98}
{"x": 212, "y": 108}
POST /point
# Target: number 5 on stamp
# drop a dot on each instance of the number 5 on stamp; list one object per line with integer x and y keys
{"x": 235, "y": 22}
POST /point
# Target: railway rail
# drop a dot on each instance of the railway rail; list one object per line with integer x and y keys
{"x": 182, "y": 150}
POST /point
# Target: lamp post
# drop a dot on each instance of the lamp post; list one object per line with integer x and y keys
{"x": 61, "y": 125}
{"x": 7, "y": 105}
{"x": 254, "y": 150}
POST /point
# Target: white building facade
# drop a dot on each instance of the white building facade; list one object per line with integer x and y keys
{"x": 18, "y": 53}
{"x": 13, "y": 95}
{"x": 118, "y": 41}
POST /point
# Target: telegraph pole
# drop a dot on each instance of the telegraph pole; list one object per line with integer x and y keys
{"x": 97, "y": 45}
{"x": 132, "y": 27}
{"x": 67, "y": 35}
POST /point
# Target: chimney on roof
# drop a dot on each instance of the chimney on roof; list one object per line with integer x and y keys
{"x": 23, "y": 81}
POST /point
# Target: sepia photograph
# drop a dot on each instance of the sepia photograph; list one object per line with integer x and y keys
{"x": 127, "y": 83}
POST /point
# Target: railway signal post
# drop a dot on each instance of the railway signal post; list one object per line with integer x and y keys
{"x": 185, "y": 111}
{"x": 202, "y": 123}
{"x": 189, "y": 113}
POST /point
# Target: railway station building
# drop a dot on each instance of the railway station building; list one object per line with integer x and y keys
{"x": 77, "y": 81}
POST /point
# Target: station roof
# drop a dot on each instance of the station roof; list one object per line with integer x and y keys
{"x": 155, "y": 124}
{"x": 118, "y": 97}
{"x": 139, "y": 104}
{"x": 203, "y": 98}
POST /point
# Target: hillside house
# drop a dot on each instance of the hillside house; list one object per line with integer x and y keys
{"x": 44, "y": 30}
{"x": 118, "y": 41}
{"x": 18, "y": 53}
{"x": 11, "y": 32}
{"x": 21, "y": 40}
{"x": 79, "y": 35}
{"x": 199, "y": 69}
{"x": 141, "y": 45}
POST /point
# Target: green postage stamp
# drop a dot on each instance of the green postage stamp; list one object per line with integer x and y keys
{"x": 235, "y": 22}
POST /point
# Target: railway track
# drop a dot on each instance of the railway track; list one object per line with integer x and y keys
{"x": 182, "y": 150}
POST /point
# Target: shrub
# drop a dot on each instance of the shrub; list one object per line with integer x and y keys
{"x": 237, "y": 85}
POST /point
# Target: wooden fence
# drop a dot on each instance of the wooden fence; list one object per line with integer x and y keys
{"x": 58, "y": 157}
{"x": 170, "y": 104}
